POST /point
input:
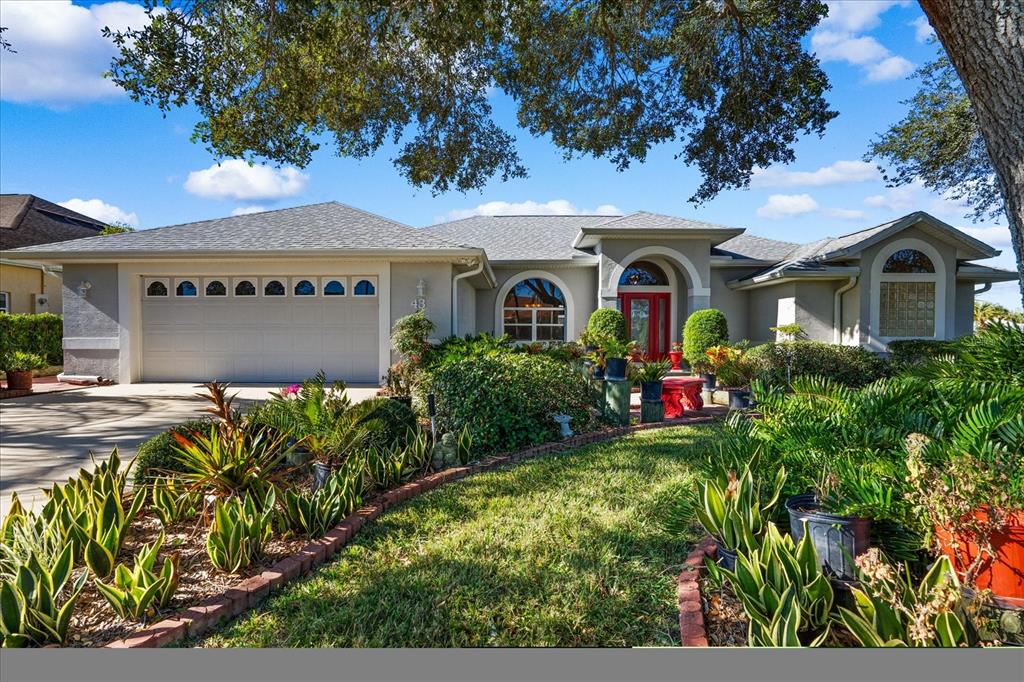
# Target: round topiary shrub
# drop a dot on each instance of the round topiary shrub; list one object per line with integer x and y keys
{"x": 703, "y": 329}
{"x": 396, "y": 419}
{"x": 507, "y": 401}
{"x": 606, "y": 323}
{"x": 156, "y": 457}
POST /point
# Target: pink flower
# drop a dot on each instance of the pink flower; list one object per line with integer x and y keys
{"x": 291, "y": 390}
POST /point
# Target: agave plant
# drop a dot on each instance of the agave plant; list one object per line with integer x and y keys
{"x": 239, "y": 530}
{"x": 890, "y": 610}
{"x": 734, "y": 509}
{"x": 134, "y": 594}
{"x": 31, "y": 610}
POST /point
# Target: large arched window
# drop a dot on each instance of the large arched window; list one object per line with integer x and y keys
{"x": 643, "y": 273}
{"x": 534, "y": 310}
{"x": 907, "y": 296}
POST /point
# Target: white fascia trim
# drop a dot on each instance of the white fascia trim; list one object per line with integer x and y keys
{"x": 581, "y": 262}
{"x": 220, "y": 255}
{"x": 783, "y": 277}
{"x": 980, "y": 273}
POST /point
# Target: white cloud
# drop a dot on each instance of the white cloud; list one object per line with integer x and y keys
{"x": 839, "y": 38}
{"x": 236, "y": 179}
{"x": 856, "y": 16}
{"x": 890, "y": 68}
{"x": 101, "y": 210}
{"x": 838, "y": 173}
{"x": 246, "y": 210}
{"x": 553, "y": 207}
{"x": 916, "y": 197}
{"x": 996, "y": 235}
{"x": 923, "y": 31}
{"x": 785, "y": 205}
{"x": 843, "y": 213}
{"x": 61, "y": 54}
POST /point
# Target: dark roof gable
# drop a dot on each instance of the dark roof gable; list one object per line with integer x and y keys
{"x": 27, "y": 220}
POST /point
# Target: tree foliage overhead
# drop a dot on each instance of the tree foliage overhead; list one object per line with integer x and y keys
{"x": 940, "y": 143}
{"x": 727, "y": 82}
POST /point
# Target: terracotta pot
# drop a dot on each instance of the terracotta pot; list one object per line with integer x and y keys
{"x": 675, "y": 356}
{"x": 19, "y": 380}
{"x": 1003, "y": 574}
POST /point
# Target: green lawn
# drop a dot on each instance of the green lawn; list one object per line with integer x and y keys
{"x": 564, "y": 550}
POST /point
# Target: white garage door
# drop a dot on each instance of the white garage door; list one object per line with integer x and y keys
{"x": 260, "y": 329}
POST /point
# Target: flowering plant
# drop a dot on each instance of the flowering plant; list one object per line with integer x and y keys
{"x": 290, "y": 391}
{"x": 720, "y": 355}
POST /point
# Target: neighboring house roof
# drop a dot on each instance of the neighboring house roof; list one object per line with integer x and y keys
{"x": 26, "y": 219}
{"x": 822, "y": 257}
{"x": 328, "y": 227}
{"x": 521, "y": 237}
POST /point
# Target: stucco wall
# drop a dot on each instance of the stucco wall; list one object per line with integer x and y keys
{"x": 438, "y": 278}
{"x": 735, "y": 304}
{"x": 869, "y": 290}
{"x": 697, "y": 252}
{"x": 580, "y": 283}
{"x": 963, "y": 324}
{"x": 22, "y": 282}
{"x": 764, "y": 310}
{"x": 466, "y": 314}
{"x": 91, "y": 328}
{"x": 851, "y": 327}
{"x": 814, "y": 309}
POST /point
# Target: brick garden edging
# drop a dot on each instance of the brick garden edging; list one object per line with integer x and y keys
{"x": 246, "y": 594}
{"x": 691, "y": 610}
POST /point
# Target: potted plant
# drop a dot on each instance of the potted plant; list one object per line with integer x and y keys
{"x": 19, "y": 365}
{"x": 702, "y": 368}
{"x": 616, "y": 357}
{"x": 597, "y": 364}
{"x": 676, "y": 355}
{"x": 649, "y": 377}
{"x": 734, "y": 376}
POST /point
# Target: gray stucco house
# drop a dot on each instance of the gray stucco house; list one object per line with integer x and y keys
{"x": 276, "y": 296}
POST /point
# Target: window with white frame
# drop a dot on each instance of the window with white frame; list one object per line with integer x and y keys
{"x": 333, "y": 286}
{"x": 303, "y": 287}
{"x": 273, "y": 287}
{"x": 186, "y": 288}
{"x": 5, "y": 301}
{"x": 907, "y": 296}
{"x": 215, "y": 288}
{"x": 156, "y": 288}
{"x": 365, "y": 287}
{"x": 245, "y": 287}
{"x": 534, "y": 310}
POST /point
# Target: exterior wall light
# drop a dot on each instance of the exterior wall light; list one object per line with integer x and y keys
{"x": 83, "y": 288}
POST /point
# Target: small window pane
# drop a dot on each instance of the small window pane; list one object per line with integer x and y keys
{"x": 186, "y": 288}
{"x": 365, "y": 288}
{"x": 216, "y": 288}
{"x": 273, "y": 288}
{"x": 908, "y": 260}
{"x": 5, "y": 301}
{"x": 334, "y": 288}
{"x": 518, "y": 317}
{"x": 245, "y": 288}
{"x": 519, "y": 332}
{"x": 305, "y": 288}
{"x": 550, "y": 333}
{"x": 156, "y": 289}
{"x": 535, "y": 293}
{"x": 550, "y": 317}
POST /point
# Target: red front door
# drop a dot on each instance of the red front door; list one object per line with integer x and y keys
{"x": 648, "y": 317}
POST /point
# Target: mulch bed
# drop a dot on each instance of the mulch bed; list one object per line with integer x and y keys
{"x": 725, "y": 623}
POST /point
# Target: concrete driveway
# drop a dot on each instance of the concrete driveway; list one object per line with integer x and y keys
{"x": 46, "y": 438}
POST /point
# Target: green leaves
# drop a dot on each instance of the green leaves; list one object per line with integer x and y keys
{"x": 733, "y": 509}
{"x": 172, "y": 502}
{"x": 239, "y": 530}
{"x": 314, "y": 513}
{"x": 103, "y": 529}
{"x": 30, "y": 610}
{"x": 136, "y": 593}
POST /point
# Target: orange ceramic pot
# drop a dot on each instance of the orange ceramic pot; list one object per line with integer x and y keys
{"x": 1003, "y": 573}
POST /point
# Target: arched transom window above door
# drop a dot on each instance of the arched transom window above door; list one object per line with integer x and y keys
{"x": 643, "y": 273}
{"x": 534, "y": 310}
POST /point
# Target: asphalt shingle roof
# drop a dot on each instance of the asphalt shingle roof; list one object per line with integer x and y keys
{"x": 756, "y": 248}
{"x": 644, "y": 220}
{"x": 26, "y": 219}
{"x": 329, "y": 226}
{"x": 520, "y": 237}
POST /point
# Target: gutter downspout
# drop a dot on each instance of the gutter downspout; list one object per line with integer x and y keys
{"x": 984, "y": 287}
{"x": 837, "y": 309}
{"x": 455, "y": 293}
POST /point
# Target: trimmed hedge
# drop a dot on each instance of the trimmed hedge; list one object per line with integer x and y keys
{"x": 704, "y": 329}
{"x": 507, "y": 400}
{"x": 41, "y": 334}
{"x": 156, "y": 457}
{"x": 606, "y": 323}
{"x": 396, "y": 418}
{"x": 849, "y": 365}
{"x": 912, "y": 351}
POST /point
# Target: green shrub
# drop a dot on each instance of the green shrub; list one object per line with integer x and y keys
{"x": 394, "y": 420}
{"x": 703, "y": 329}
{"x": 455, "y": 348}
{"x": 912, "y": 351}
{"x": 20, "y": 361}
{"x": 156, "y": 457}
{"x": 606, "y": 323}
{"x": 409, "y": 334}
{"x": 507, "y": 401}
{"x": 779, "y": 363}
{"x": 41, "y": 334}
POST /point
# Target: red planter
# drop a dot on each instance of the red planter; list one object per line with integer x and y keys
{"x": 19, "y": 381}
{"x": 1003, "y": 574}
{"x": 675, "y": 356}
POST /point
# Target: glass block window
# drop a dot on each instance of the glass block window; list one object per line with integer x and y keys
{"x": 907, "y": 309}
{"x": 534, "y": 310}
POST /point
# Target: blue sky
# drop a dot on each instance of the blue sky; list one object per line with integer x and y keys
{"x": 71, "y": 137}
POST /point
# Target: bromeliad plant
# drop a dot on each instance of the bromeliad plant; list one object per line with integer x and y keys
{"x": 239, "y": 530}
{"x": 135, "y": 594}
{"x": 764, "y": 576}
{"x": 890, "y": 610}
{"x": 735, "y": 510}
{"x": 314, "y": 513}
{"x": 31, "y": 610}
{"x": 231, "y": 461}
{"x": 651, "y": 371}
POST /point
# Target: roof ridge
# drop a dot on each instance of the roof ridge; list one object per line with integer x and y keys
{"x": 885, "y": 222}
